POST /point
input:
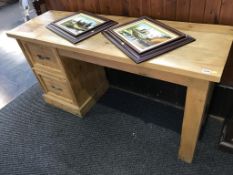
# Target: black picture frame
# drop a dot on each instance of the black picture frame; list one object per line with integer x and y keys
{"x": 137, "y": 57}
{"x": 75, "y": 39}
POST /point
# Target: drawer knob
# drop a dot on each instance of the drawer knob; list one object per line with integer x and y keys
{"x": 56, "y": 88}
{"x": 41, "y": 57}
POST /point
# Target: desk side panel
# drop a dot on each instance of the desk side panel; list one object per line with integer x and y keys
{"x": 87, "y": 80}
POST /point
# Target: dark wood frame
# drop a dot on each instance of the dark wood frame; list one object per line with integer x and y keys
{"x": 75, "y": 39}
{"x": 161, "y": 49}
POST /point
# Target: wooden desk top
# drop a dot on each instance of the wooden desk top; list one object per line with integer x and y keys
{"x": 203, "y": 59}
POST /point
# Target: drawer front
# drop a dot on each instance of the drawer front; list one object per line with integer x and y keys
{"x": 43, "y": 56}
{"x": 56, "y": 87}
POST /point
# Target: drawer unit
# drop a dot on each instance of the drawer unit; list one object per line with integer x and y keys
{"x": 68, "y": 83}
{"x": 43, "y": 56}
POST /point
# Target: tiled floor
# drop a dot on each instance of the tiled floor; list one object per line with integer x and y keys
{"x": 15, "y": 73}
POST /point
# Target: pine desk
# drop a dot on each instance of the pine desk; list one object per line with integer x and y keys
{"x": 73, "y": 76}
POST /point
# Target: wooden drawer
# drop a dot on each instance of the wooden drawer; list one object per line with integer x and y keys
{"x": 55, "y": 86}
{"x": 42, "y": 55}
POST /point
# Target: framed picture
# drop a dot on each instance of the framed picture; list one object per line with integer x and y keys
{"x": 145, "y": 38}
{"x": 80, "y": 26}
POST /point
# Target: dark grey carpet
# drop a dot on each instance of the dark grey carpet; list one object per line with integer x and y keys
{"x": 122, "y": 135}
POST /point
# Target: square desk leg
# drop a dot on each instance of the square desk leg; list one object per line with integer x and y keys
{"x": 197, "y": 97}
